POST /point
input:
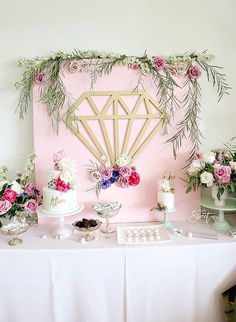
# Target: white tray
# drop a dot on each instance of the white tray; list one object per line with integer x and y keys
{"x": 140, "y": 234}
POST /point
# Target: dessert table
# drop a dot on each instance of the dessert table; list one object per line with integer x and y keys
{"x": 53, "y": 280}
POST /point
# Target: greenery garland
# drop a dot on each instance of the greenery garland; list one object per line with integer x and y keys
{"x": 47, "y": 72}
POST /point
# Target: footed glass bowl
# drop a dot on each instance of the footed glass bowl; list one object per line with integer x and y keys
{"x": 13, "y": 227}
{"x": 87, "y": 232}
{"x": 106, "y": 209}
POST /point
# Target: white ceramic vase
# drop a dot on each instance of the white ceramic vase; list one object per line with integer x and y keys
{"x": 223, "y": 197}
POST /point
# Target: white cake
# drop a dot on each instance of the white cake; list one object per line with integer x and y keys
{"x": 167, "y": 199}
{"x": 60, "y": 194}
{"x": 58, "y": 202}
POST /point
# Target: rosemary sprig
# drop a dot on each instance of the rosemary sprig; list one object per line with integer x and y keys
{"x": 218, "y": 79}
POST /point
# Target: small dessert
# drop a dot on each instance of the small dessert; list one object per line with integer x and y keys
{"x": 86, "y": 223}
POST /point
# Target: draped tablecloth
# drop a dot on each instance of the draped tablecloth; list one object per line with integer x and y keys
{"x": 48, "y": 280}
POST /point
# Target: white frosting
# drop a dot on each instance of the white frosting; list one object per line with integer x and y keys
{"x": 56, "y": 201}
{"x": 167, "y": 198}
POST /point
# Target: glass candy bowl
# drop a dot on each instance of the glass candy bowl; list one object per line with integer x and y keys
{"x": 13, "y": 227}
{"x": 87, "y": 227}
{"x": 107, "y": 210}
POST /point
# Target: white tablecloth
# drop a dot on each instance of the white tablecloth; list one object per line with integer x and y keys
{"x": 48, "y": 280}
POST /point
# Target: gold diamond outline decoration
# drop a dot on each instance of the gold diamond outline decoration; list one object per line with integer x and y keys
{"x": 114, "y": 98}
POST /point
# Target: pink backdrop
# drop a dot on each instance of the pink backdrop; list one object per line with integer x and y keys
{"x": 156, "y": 159}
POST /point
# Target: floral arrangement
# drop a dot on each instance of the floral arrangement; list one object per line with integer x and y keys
{"x": 216, "y": 167}
{"x": 47, "y": 73}
{"x": 66, "y": 170}
{"x": 166, "y": 184}
{"x": 18, "y": 195}
{"x": 120, "y": 173}
{"x": 159, "y": 207}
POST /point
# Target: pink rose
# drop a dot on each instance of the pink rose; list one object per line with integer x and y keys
{"x": 5, "y": 205}
{"x": 106, "y": 172}
{"x": 134, "y": 66}
{"x": 31, "y": 206}
{"x": 125, "y": 171}
{"x": 29, "y": 188}
{"x": 159, "y": 62}
{"x": 123, "y": 182}
{"x": 62, "y": 186}
{"x": 194, "y": 72}
{"x": 40, "y": 78}
{"x": 74, "y": 66}
{"x": 58, "y": 156}
{"x": 222, "y": 174}
{"x": 9, "y": 195}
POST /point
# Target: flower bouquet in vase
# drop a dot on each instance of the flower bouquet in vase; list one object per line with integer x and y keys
{"x": 19, "y": 200}
{"x": 215, "y": 169}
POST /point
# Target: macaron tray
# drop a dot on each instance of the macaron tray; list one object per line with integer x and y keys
{"x": 142, "y": 234}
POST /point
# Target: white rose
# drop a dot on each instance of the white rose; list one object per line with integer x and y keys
{"x": 2, "y": 183}
{"x": 195, "y": 166}
{"x": 233, "y": 165}
{"x": 209, "y": 157}
{"x": 15, "y": 186}
{"x": 164, "y": 185}
{"x": 67, "y": 164}
{"x": 66, "y": 176}
{"x": 207, "y": 178}
{"x": 105, "y": 161}
{"x": 123, "y": 160}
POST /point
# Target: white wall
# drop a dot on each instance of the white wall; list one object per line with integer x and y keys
{"x": 29, "y": 28}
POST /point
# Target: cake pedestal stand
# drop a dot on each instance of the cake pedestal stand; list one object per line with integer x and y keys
{"x": 166, "y": 222}
{"x": 61, "y": 230}
{"x": 221, "y": 223}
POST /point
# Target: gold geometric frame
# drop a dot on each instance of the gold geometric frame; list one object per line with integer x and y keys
{"x": 115, "y": 99}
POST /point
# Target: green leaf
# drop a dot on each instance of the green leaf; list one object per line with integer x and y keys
{"x": 188, "y": 190}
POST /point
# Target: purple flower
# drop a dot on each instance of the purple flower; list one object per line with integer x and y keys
{"x": 194, "y": 72}
{"x": 159, "y": 63}
{"x": 115, "y": 175}
{"x": 106, "y": 172}
{"x": 5, "y": 205}
{"x": 29, "y": 188}
{"x": 40, "y": 78}
{"x": 105, "y": 184}
{"x": 123, "y": 182}
{"x": 125, "y": 171}
{"x": 31, "y": 206}
{"x": 112, "y": 180}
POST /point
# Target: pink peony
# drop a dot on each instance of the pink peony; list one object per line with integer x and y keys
{"x": 125, "y": 171}
{"x": 9, "y": 195}
{"x": 40, "y": 78}
{"x": 194, "y": 72}
{"x": 134, "y": 178}
{"x": 29, "y": 188}
{"x": 106, "y": 172}
{"x": 123, "y": 182}
{"x": 159, "y": 62}
{"x": 5, "y": 205}
{"x": 62, "y": 186}
{"x": 31, "y": 206}
{"x": 222, "y": 174}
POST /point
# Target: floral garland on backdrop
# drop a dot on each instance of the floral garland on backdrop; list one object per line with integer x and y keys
{"x": 47, "y": 73}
